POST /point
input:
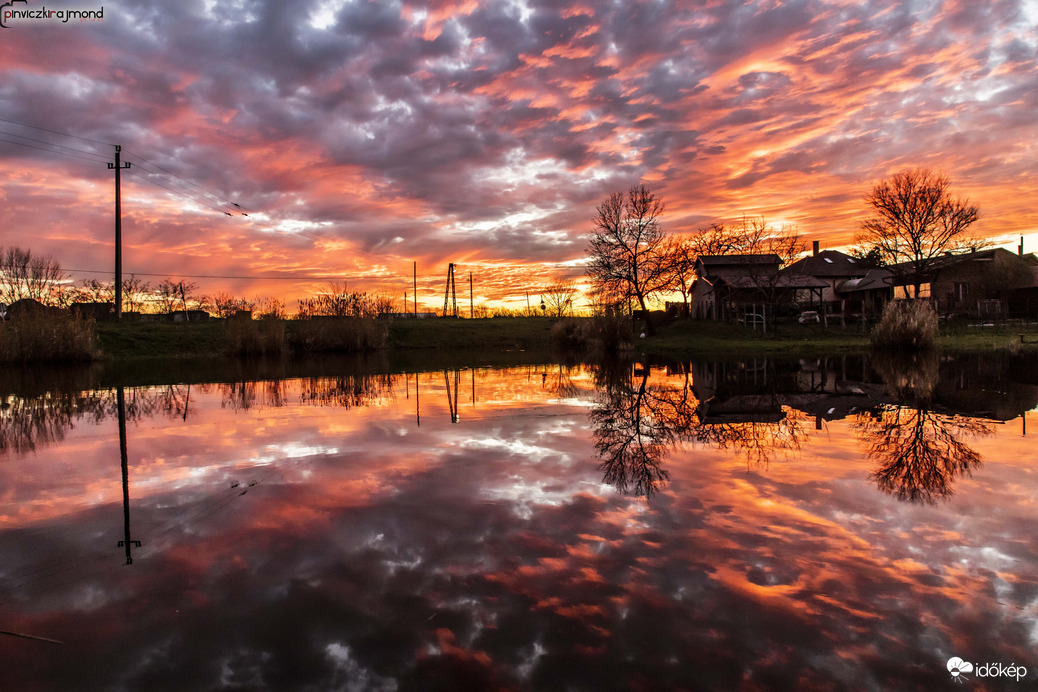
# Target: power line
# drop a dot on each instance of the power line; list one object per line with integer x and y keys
{"x": 55, "y": 132}
{"x": 188, "y": 193}
{"x": 182, "y": 194}
{"x": 52, "y": 144}
{"x": 51, "y": 151}
{"x": 215, "y": 276}
{"x": 94, "y": 157}
{"x": 206, "y": 192}
{"x": 100, "y": 159}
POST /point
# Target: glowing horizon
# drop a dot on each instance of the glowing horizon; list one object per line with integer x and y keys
{"x": 361, "y": 137}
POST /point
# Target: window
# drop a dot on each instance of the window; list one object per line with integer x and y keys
{"x": 906, "y": 291}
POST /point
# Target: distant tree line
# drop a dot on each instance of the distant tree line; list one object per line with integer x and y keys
{"x": 28, "y": 275}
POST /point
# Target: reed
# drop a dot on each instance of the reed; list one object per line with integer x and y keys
{"x": 50, "y": 337}
{"x": 338, "y": 334}
{"x": 247, "y": 337}
{"x": 598, "y": 335}
{"x": 906, "y": 325}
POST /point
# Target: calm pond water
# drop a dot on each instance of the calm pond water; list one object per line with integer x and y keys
{"x": 830, "y": 523}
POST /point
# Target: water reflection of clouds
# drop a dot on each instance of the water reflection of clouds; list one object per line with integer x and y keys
{"x": 486, "y": 552}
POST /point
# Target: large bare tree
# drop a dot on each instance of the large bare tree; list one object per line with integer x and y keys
{"x": 627, "y": 250}
{"x": 753, "y": 235}
{"x": 915, "y": 221}
{"x": 24, "y": 274}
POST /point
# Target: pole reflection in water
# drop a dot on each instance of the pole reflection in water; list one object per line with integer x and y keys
{"x": 126, "y": 542}
{"x": 486, "y": 552}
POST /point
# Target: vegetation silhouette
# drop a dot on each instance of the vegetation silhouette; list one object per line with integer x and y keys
{"x": 919, "y": 450}
{"x": 637, "y": 422}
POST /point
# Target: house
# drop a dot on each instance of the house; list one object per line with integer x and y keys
{"x": 190, "y": 316}
{"x": 30, "y": 308}
{"x": 865, "y": 297}
{"x": 831, "y": 267}
{"x": 983, "y": 283}
{"x": 744, "y": 287}
{"x": 95, "y": 311}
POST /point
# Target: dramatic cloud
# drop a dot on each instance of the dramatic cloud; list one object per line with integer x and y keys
{"x": 361, "y": 136}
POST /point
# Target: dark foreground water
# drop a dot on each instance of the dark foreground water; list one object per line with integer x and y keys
{"x": 816, "y": 524}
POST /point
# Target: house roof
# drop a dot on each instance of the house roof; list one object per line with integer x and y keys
{"x": 739, "y": 260}
{"x": 905, "y": 270}
{"x": 829, "y": 263}
{"x": 773, "y": 281}
{"x": 874, "y": 279}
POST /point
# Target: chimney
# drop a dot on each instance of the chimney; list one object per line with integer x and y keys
{"x": 814, "y": 251}
{"x": 1020, "y": 250}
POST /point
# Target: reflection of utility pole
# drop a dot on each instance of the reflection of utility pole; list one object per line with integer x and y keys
{"x": 452, "y": 397}
{"x": 120, "y": 398}
{"x": 417, "y": 408}
{"x": 117, "y": 166}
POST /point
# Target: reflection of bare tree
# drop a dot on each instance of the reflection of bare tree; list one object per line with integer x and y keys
{"x": 346, "y": 391}
{"x": 635, "y": 424}
{"x": 920, "y": 451}
{"x": 28, "y": 422}
{"x": 44, "y": 417}
{"x": 638, "y": 421}
{"x": 559, "y": 381}
{"x": 39, "y": 419}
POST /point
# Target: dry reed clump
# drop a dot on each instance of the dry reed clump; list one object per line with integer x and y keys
{"x": 339, "y": 334}
{"x": 51, "y": 337}
{"x": 248, "y": 337}
{"x": 906, "y": 325}
{"x": 598, "y": 335}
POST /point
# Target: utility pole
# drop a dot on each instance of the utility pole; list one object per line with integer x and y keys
{"x": 415, "y": 293}
{"x": 117, "y": 166}
{"x": 472, "y": 311}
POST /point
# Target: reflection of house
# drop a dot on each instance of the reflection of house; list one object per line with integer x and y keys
{"x": 988, "y": 282}
{"x": 987, "y": 387}
{"x": 738, "y": 286}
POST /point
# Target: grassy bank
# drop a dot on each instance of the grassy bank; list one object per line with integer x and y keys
{"x": 135, "y": 340}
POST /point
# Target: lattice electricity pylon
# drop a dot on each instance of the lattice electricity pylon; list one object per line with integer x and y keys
{"x": 450, "y": 294}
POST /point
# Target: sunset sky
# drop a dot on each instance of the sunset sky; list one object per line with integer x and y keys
{"x": 362, "y": 136}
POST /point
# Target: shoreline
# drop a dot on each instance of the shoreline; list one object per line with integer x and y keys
{"x": 484, "y": 339}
